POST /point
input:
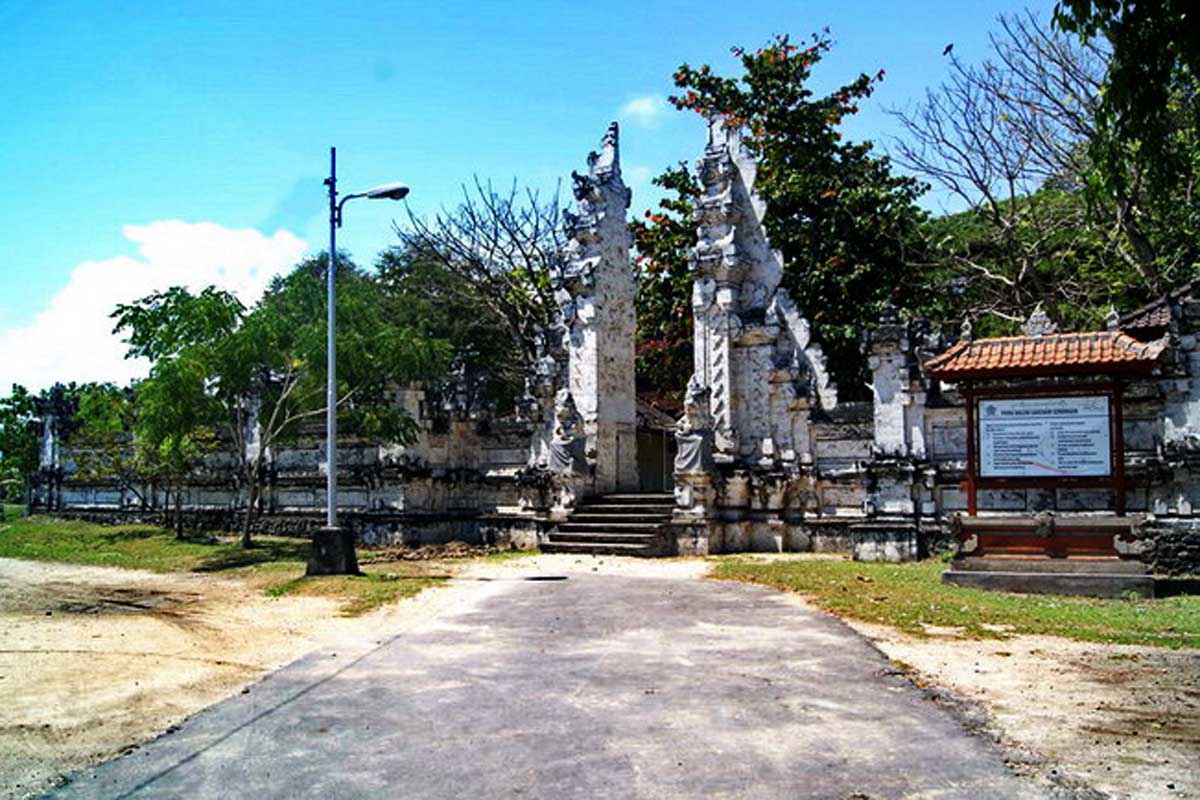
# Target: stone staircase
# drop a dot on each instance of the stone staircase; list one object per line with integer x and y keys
{"x": 615, "y": 524}
{"x": 1097, "y": 577}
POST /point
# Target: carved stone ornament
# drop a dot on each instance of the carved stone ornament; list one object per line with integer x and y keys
{"x": 565, "y": 453}
{"x": 693, "y": 433}
{"x": 1039, "y": 324}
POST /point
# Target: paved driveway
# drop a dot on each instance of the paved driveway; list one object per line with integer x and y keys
{"x": 588, "y": 687}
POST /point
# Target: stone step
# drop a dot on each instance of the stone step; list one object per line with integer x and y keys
{"x": 657, "y": 500}
{"x": 1069, "y": 565}
{"x": 625, "y": 511}
{"x": 602, "y": 548}
{"x": 1087, "y": 584}
{"x": 612, "y": 516}
{"x": 556, "y": 537}
{"x": 571, "y": 526}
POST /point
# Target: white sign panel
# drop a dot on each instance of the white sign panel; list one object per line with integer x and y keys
{"x": 1044, "y": 437}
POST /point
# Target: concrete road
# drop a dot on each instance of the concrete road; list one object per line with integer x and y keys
{"x": 588, "y": 687}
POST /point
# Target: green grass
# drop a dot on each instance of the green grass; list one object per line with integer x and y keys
{"x": 41, "y": 538}
{"x": 911, "y": 596}
{"x": 362, "y": 593}
{"x": 12, "y": 511}
{"x": 275, "y": 565}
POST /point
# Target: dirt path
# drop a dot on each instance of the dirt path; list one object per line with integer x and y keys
{"x": 1124, "y": 720}
{"x": 95, "y": 660}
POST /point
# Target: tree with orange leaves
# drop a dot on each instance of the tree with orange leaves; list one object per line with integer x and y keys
{"x": 841, "y": 218}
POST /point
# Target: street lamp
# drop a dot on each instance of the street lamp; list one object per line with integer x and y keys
{"x": 333, "y": 548}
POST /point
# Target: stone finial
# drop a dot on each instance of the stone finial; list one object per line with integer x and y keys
{"x": 1112, "y": 320}
{"x": 1039, "y": 324}
{"x": 607, "y": 162}
{"x": 966, "y": 331}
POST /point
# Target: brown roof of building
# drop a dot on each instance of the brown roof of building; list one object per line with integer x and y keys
{"x": 1157, "y": 313}
{"x": 651, "y": 418}
{"x": 1059, "y": 353}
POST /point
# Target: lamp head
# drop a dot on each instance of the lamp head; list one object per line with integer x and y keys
{"x": 387, "y": 191}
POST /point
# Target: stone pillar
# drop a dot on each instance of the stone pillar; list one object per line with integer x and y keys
{"x": 1181, "y": 416}
{"x": 753, "y": 347}
{"x": 597, "y": 300}
{"x": 896, "y": 492}
{"x": 761, "y": 372}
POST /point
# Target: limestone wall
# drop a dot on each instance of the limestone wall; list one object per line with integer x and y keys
{"x": 435, "y": 489}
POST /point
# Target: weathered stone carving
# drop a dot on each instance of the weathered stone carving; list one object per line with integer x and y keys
{"x": 565, "y": 454}
{"x": 596, "y": 298}
{"x": 693, "y": 434}
{"x": 753, "y": 347}
{"x": 1039, "y": 324}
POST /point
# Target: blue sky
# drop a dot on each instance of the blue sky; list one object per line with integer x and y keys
{"x": 220, "y": 116}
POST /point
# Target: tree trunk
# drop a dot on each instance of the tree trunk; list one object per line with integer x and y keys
{"x": 248, "y": 519}
{"x": 179, "y": 511}
{"x": 1144, "y": 255}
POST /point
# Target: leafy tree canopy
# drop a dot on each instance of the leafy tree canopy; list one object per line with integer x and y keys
{"x": 219, "y": 367}
{"x": 1013, "y": 137}
{"x": 18, "y": 442}
{"x": 664, "y": 299}
{"x": 1151, "y": 82}
{"x": 835, "y": 210}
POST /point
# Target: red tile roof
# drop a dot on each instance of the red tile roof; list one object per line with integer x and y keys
{"x": 1103, "y": 352}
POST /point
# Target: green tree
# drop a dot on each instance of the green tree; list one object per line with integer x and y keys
{"x": 176, "y": 424}
{"x": 1151, "y": 83}
{"x": 506, "y": 249}
{"x": 103, "y": 445}
{"x": 664, "y": 299}
{"x": 441, "y": 304}
{"x": 22, "y": 415}
{"x": 1012, "y": 139}
{"x": 842, "y": 220}
{"x": 18, "y": 443}
{"x": 261, "y": 372}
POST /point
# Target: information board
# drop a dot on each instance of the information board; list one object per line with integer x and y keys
{"x": 1045, "y": 437}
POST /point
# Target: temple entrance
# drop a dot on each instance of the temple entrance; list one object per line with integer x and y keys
{"x": 655, "y": 461}
{"x": 655, "y": 448}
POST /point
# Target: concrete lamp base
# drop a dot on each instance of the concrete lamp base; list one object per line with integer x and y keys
{"x": 332, "y": 553}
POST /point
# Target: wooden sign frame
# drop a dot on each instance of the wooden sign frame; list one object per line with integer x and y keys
{"x": 1115, "y": 480}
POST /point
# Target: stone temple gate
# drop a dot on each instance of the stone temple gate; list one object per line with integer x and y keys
{"x": 766, "y": 456}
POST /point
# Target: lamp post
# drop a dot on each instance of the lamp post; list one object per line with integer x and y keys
{"x": 332, "y": 547}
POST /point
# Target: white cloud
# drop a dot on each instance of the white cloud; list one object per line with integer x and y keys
{"x": 71, "y": 339}
{"x": 646, "y": 111}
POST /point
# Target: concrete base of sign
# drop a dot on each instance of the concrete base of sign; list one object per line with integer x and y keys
{"x": 1092, "y": 577}
{"x": 333, "y": 553}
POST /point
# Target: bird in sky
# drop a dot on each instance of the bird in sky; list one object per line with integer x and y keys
{"x": 949, "y": 47}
